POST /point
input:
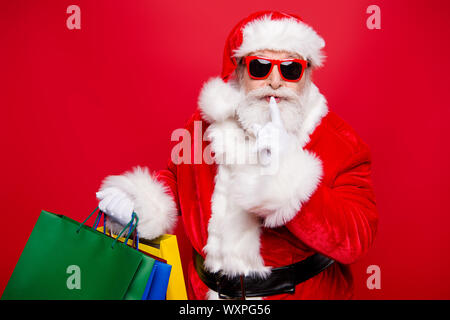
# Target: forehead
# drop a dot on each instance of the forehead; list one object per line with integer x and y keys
{"x": 272, "y": 54}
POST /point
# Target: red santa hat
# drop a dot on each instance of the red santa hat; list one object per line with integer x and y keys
{"x": 274, "y": 31}
{"x": 262, "y": 30}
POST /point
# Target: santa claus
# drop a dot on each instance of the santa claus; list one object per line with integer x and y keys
{"x": 287, "y": 204}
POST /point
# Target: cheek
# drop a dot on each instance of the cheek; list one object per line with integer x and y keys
{"x": 251, "y": 84}
{"x": 296, "y": 86}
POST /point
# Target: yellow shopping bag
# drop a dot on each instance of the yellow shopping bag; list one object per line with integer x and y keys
{"x": 165, "y": 247}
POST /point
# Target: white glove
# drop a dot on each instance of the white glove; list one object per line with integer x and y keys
{"x": 272, "y": 139}
{"x": 116, "y": 204}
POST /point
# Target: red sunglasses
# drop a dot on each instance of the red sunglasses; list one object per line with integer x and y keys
{"x": 259, "y": 68}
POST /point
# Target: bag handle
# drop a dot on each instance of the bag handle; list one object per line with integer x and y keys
{"x": 135, "y": 237}
{"x": 96, "y": 222}
{"x": 130, "y": 225}
{"x": 85, "y": 220}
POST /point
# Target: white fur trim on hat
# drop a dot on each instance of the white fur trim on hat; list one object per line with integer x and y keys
{"x": 282, "y": 35}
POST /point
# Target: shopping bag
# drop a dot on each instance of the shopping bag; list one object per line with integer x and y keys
{"x": 143, "y": 278}
{"x": 64, "y": 259}
{"x": 159, "y": 280}
{"x": 166, "y": 247}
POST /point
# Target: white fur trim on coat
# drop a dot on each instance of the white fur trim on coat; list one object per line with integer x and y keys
{"x": 155, "y": 208}
{"x": 243, "y": 199}
{"x": 317, "y": 108}
{"x": 277, "y": 197}
{"x": 218, "y": 100}
{"x": 233, "y": 245}
{"x": 282, "y": 35}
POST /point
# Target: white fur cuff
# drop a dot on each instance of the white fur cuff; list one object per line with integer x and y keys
{"x": 155, "y": 208}
{"x": 278, "y": 197}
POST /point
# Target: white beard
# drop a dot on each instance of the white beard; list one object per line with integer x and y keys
{"x": 254, "y": 109}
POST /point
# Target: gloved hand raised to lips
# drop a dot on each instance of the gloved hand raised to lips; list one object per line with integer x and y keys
{"x": 116, "y": 204}
{"x": 272, "y": 139}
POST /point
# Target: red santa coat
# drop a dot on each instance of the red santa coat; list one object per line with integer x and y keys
{"x": 332, "y": 210}
{"x": 339, "y": 220}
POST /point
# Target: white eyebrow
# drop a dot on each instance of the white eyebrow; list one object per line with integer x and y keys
{"x": 290, "y": 56}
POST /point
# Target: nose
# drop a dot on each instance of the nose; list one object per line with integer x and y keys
{"x": 274, "y": 79}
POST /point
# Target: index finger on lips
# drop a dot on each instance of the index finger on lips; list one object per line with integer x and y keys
{"x": 275, "y": 112}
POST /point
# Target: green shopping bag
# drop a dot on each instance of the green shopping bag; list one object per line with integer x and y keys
{"x": 64, "y": 259}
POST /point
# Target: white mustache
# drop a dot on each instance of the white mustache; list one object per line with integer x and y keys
{"x": 282, "y": 92}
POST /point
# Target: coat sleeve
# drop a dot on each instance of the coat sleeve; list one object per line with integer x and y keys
{"x": 340, "y": 221}
{"x": 168, "y": 177}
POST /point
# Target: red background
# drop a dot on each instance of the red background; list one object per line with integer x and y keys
{"x": 78, "y": 105}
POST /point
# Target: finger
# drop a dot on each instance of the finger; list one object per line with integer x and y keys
{"x": 103, "y": 204}
{"x": 125, "y": 208}
{"x": 129, "y": 208}
{"x": 268, "y": 129}
{"x": 255, "y": 128}
{"x": 120, "y": 212}
{"x": 275, "y": 112}
{"x": 268, "y": 134}
{"x": 105, "y": 192}
{"x": 100, "y": 195}
{"x": 113, "y": 204}
{"x": 265, "y": 157}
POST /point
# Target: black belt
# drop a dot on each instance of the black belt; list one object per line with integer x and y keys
{"x": 281, "y": 280}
